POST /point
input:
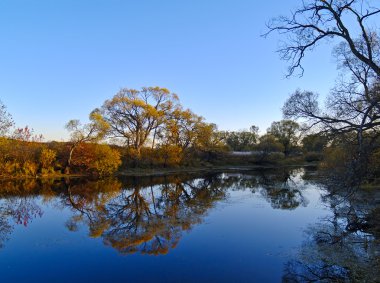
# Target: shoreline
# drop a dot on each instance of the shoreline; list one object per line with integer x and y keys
{"x": 146, "y": 172}
{"x": 212, "y": 169}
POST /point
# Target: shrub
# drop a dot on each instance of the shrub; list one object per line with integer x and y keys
{"x": 29, "y": 168}
{"x": 47, "y": 159}
{"x": 97, "y": 159}
{"x": 313, "y": 156}
{"x": 168, "y": 156}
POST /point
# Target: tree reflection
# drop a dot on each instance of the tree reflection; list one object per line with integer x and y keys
{"x": 282, "y": 189}
{"x": 87, "y": 199}
{"x": 5, "y": 227}
{"x": 146, "y": 219}
{"x": 343, "y": 247}
{"x": 19, "y": 211}
{"x": 146, "y": 215}
{"x": 149, "y": 215}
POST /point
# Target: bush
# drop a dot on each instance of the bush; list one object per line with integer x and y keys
{"x": 47, "y": 159}
{"x": 168, "y": 156}
{"x": 374, "y": 167}
{"x": 163, "y": 156}
{"x": 313, "y": 156}
{"x": 29, "y": 168}
{"x": 96, "y": 159}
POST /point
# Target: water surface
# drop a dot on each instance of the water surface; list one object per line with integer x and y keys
{"x": 225, "y": 227}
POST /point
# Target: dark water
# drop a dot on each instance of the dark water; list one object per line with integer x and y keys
{"x": 248, "y": 227}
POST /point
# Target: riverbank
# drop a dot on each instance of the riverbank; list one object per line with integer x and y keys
{"x": 144, "y": 172}
{"x": 47, "y": 176}
{"x": 139, "y": 172}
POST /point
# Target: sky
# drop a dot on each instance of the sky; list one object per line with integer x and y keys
{"x": 60, "y": 59}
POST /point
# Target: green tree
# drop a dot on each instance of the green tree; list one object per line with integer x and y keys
{"x": 287, "y": 133}
{"x": 268, "y": 144}
{"x": 242, "y": 140}
{"x": 314, "y": 143}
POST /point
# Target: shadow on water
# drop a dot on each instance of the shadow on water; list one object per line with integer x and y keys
{"x": 149, "y": 215}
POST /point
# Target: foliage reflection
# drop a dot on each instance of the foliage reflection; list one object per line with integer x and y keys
{"x": 149, "y": 215}
{"x": 145, "y": 215}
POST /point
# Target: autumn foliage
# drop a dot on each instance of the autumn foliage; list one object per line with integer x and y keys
{"x": 96, "y": 159}
{"x": 145, "y": 128}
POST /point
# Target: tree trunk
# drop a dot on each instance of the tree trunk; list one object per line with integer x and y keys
{"x": 68, "y": 163}
{"x": 154, "y": 138}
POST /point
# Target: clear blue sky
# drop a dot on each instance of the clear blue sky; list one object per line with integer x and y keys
{"x": 61, "y": 59}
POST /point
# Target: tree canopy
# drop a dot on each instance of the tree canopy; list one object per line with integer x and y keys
{"x": 134, "y": 115}
{"x": 287, "y": 133}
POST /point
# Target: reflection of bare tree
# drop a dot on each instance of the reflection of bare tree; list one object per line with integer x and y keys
{"x": 355, "y": 259}
{"x": 19, "y": 211}
{"x": 5, "y": 227}
{"x": 297, "y": 271}
{"x": 23, "y": 210}
{"x": 340, "y": 249}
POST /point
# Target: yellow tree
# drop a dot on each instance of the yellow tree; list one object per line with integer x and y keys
{"x": 90, "y": 132}
{"x": 181, "y": 128}
{"x": 207, "y": 137}
{"x": 135, "y": 115}
{"x": 96, "y": 159}
{"x": 187, "y": 130}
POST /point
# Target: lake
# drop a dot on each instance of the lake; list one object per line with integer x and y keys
{"x": 253, "y": 226}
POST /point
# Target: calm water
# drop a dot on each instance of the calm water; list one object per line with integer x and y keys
{"x": 248, "y": 227}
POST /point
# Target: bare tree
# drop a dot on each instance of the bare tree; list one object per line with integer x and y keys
{"x": 322, "y": 20}
{"x": 346, "y": 111}
{"x": 6, "y": 121}
{"x": 354, "y": 103}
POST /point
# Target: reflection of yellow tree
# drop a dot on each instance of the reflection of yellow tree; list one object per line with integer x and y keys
{"x": 89, "y": 198}
{"x": 149, "y": 215}
{"x": 148, "y": 219}
{"x": 151, "y": 220}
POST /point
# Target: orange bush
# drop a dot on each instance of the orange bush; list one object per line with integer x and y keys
{"x": 97, "y": 159}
